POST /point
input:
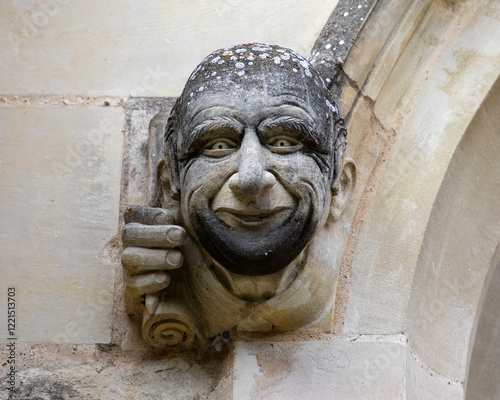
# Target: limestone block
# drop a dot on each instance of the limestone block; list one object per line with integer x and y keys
{"x": 138, "y": 48}
{"x": 424, "y": 383}
{"x": 366, "y": 368}
{"x": 60, "y": 173}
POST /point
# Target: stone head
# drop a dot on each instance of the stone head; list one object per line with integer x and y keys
{"x": 254, "y": 151}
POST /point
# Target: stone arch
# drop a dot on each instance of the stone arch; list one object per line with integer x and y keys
{"x": 431, "y": 85}
{"x": 457, "y": 255}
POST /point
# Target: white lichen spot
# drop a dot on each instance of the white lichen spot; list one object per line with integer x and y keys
{"x": 214, "y": 73}
{"x": 234, "y": 58}
{"x": 328, "y": 46}
{"x": 201, "y": 89}
{"x": 361, "y": 19}
{"x": 257, "y": 48}
{"x": 304, "y": 63}
{"x": 216, "y": 59}
{"x": 277, "y": 60}
{"x": 239, "y": 65}
{"x": 346, "y": 13}
{"x": 285, "y": 56}
{"x": 281, "y": 50}
{"x": 250, "y": 63}
{"x": 331, "y": 107}
{"x": 241, "y": 73}
{"x": 250, "y": 58}
{"x": 264, "y": 56}
{"x": 295, "y": 70}
{"x": 218, "y": 77}
{"x": 221, "y": 62}
{"x": 191, "y": 94}
{"x": 328, "y": 80}
{"x": 341, "y": 42}
{"x": 242, "y": 50}
{"x": 308, "y": 73}
{"x": 359, "y": 6}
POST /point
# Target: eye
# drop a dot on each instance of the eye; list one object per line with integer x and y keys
{"x": 219, "y": 148}
{"x": 284, "y": 145}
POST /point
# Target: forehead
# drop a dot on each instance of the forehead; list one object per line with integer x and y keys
{"x": 249, "y": 106}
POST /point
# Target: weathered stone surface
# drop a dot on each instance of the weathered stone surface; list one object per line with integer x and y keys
{"x": 482, "y": 379}
{"x": 441, "y": 108}
{"x": 87, "y": 372}
{"x": 60, "y": 187}
{"x": 457, "y": 253}
{"x": 366, "y": 368}
{"x": 425, "y": 383}
{"x": 139, "y": 113}
{"x": 337, "y": 37}
{"x": 48, "y": 49}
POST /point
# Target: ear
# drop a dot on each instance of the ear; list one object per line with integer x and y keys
{"x": 168, "y": 194}
{"x": 343, "y": 188}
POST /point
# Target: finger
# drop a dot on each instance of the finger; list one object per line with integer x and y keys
{"x": 148, "y": 283}
{"x": 151, "y": 301}
{"x": 149, "y": 215}
{"x": 153, "y": 236}
{"x": 136, "y": 259}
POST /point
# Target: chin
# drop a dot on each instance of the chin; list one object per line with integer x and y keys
{"x": 254, "y": 246}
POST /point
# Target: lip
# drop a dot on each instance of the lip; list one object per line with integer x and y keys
{"x": 253, "y": 218}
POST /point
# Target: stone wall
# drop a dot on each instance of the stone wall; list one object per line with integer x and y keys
{"x": 418, "y": 85}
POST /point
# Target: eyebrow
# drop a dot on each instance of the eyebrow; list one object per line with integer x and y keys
{"x": 289, "y": 122}
{"x": 207, "y": 126}
{"x": 306, "y": 132}
{"x": 213, "y": 124}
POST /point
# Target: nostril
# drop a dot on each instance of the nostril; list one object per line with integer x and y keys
{"x": 268, "y": 180}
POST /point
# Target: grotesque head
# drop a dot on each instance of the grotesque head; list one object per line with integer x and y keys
{"x": 255, "y": 146}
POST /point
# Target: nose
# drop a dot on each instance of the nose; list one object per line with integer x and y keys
{"x": 251, "y": 178}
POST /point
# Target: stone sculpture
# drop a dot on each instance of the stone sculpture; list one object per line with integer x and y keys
{"x": 251, "y": 185}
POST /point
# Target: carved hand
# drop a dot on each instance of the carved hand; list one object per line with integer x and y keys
{"x": 150, "y": 241}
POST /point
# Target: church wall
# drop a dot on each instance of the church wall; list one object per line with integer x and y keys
{"x": 79, "y": 86}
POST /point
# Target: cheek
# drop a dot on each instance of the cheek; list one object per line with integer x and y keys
{"x": 202, "y": 179}
{"x": 301, "y": 175}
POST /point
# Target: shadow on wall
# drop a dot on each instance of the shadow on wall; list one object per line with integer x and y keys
{"x": 482, "y": 380}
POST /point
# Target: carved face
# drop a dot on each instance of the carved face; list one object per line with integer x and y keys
{"x": 255, "y": 163}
